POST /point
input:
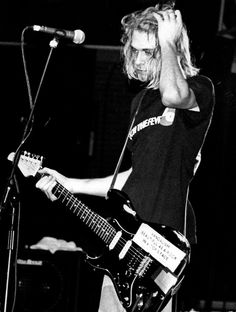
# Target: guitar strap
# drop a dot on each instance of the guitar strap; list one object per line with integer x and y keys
{"x": 126, "y": 140}
{"x": 185, "y": 213}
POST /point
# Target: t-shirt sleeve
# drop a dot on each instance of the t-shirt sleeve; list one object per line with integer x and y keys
{"x": 204, "y": 92}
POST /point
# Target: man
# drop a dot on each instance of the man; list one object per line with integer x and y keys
{"x": 168, "y": 132}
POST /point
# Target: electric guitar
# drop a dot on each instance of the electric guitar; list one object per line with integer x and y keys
{"x": 146, "y": 262}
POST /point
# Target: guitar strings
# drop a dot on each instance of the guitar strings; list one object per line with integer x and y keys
{"x": 77, "y": 204}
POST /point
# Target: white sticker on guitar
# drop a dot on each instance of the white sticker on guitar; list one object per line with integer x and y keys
{"x": 159, "y": 247}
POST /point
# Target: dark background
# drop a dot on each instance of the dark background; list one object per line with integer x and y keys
{"x": 80, "y": 125}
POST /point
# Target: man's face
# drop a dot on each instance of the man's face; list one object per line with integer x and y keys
{"x": 142, "y": 46}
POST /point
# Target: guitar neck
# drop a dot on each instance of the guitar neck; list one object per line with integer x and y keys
{"x": 100, "y": 226}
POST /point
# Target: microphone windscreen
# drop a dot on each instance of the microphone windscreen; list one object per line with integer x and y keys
{"x": 79, "y": 36}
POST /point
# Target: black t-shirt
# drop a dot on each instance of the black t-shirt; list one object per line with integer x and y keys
{"x": 165, "y": 144}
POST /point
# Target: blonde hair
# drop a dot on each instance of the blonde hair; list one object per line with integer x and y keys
{"x": 145, "y": 21}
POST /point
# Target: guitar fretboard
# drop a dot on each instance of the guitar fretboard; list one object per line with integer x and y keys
{"x": 100, "y": 226}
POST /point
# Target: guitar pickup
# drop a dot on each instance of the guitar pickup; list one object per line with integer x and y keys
{"x": 115, "y": 240}
{"x": 125, "y": 249}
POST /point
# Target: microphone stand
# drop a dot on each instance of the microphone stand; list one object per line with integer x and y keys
{"x": 6, "y": 199}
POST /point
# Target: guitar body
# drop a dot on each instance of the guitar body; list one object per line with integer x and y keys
{"x": 137, "y": 277}
{"x": 146, "y": 262}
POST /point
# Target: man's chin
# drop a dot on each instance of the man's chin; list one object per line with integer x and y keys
{"x": 142, "y": 76}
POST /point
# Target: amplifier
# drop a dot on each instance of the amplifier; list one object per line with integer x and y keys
{"x": 48, "y": 282}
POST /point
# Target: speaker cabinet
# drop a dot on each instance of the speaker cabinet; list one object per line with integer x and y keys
{"x": 48, "y": 282}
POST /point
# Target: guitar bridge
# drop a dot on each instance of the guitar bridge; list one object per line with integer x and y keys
{"x": 144, "y": 266}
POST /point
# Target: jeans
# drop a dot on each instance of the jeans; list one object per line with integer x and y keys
{"x": 109, "y": 301}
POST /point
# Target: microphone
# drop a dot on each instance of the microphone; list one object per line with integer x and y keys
{"x": 77, "y": 36}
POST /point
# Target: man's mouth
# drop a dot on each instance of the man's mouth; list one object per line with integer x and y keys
{"x": 140, "y": 69}
{"x": 141, "y": 73}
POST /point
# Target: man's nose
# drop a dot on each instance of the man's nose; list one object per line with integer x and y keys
{"x": 140, "y": 58}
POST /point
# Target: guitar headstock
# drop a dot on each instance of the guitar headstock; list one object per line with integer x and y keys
{"x": 29, "y": 164}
